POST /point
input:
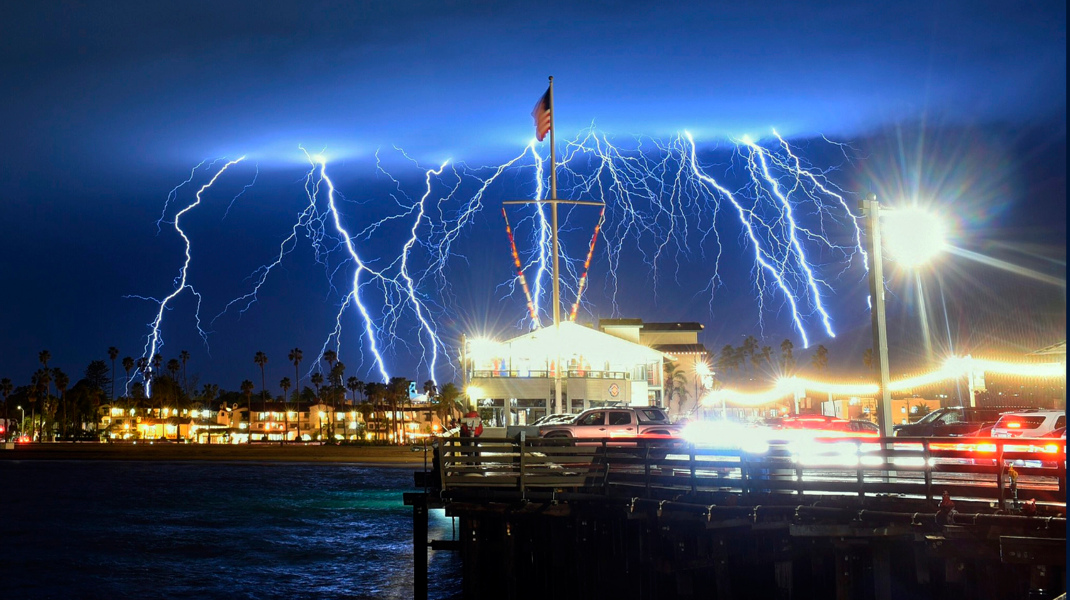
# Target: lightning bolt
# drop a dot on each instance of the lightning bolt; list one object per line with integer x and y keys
{"x": 661, "y": 201}
{"x": 154, "y": 341}
{"x": 353, "y": 295}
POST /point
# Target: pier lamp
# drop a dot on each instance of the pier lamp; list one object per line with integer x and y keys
{"x": 915, "y": 237}
{"x": 703, "y": 379}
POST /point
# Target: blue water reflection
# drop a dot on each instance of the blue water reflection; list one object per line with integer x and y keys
{"x": 239, "y": 530}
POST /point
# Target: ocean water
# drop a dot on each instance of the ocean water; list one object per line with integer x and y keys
{"x": 116, "y": 529}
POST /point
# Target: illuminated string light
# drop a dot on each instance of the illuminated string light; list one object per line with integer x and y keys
{"x": 954, "y": 367}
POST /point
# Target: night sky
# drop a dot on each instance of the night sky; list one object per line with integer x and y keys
{"x": 108, "y": 106}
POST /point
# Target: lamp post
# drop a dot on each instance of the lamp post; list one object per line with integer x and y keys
{"x": 915, "y": 237}
{"x": 22, "y": 421}
{"x": 704, "y": 378}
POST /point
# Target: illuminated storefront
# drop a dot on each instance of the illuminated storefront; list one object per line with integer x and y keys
{"x": 512, "y": 381}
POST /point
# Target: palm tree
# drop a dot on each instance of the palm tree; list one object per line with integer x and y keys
{"x": 5, "y": 390}
{"x": 820, "y": 359}
{"x": 867, "y": 358}
{"x": 675, "y": 387}
{"x": 261, "y": 359}
{"x": 42, "y": 380}
{"x": 33, "y": 392}
{"x": 759, "y": 359}
{"x": 173, "y": 367}
{"x": 727, "y": 359}
{"x": 747, "y": 350}
{"x": 127, "y": 366}
{"x": 354, "y": 384}
{"x": 375, "y": 393}
{"x": 62, "y": 381}
{"x": 787, "y": 359}
{"x": 317, "y": 380}
{"x": 157, "y": 360}
{"x": 285, "y": 385}
{"x": 184, "y": 357}
{"x": 247, "y": 391}
{"x": 44, "y": 356}
{"x": 447, "y": 397}
{"x": 330, "y": 356}
{"x": 295, "y": 357}
{"x": 208, "y": 394}
{"x": 113, "y": 353}
{"x": 338, "y": 372}
{"x": 397, "y": 392}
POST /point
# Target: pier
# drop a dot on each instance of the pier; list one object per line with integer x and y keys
{"x": 839, "y": 518}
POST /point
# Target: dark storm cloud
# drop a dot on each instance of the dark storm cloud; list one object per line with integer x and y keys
{"x": 185, "y": 80}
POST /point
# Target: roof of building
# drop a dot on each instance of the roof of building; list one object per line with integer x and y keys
{"x": 619, "y": 322}
{"x": 681, "y": 348}
{"x": 673, "y": 326}
{"x": 575, "y": 339}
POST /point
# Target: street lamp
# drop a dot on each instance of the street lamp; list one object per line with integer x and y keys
{"x": 22, "y": 421}
{"x": 915, "y": 237}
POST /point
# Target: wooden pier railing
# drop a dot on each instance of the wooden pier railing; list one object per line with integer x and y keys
{"x": 997, "y": 471}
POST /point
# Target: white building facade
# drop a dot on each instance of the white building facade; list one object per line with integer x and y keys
{"x": 513, "y": 382}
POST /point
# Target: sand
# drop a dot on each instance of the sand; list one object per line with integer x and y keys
{"x": 367, "y": 455}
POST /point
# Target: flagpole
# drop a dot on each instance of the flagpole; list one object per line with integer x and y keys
{"x": 558, "y": 404}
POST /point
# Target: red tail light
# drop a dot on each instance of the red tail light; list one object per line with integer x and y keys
{"x": 1014, "y": 424}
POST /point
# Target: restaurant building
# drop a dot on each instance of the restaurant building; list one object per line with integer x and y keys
{"x": 512, "y": 382}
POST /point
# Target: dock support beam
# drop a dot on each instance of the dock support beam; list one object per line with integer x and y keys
{"x": 418, "y": 501}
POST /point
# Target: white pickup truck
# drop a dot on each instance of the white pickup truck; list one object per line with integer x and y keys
{"x": 613, "y": 422}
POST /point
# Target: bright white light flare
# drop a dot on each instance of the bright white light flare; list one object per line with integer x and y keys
{"x": 912, "y": 235}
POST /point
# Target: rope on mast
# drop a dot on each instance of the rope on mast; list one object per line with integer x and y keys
{"x": 520, "y": 270}
{"x": 587, "y": 265}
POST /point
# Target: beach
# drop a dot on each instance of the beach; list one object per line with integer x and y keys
{"x": 364, "y": 455}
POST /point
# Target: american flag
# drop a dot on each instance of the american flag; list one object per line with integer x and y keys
{"x": 542, "y": 114}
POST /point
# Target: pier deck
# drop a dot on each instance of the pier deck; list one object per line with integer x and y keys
{"x": 847, "y": 518}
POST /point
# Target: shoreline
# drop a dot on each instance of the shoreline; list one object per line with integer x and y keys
{"x": 380, "y": 456}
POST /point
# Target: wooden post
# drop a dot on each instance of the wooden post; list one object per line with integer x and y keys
{"x": 646, "y": 467}
{"x": 926, "y": 454}
{"x": 694, "y": 485}
{"x": 521, "y": 443}
{"x": 999, "y": 476}
{"x": 419, "y": 543}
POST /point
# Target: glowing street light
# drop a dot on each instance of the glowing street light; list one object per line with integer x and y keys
{"x": 913, "y": 236}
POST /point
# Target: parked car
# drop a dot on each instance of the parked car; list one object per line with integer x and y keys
{"x": 951, "y": 421}
{"x": 826, "y": 425}
{"x": 862, "y": 427}
{"x": 617, "y": 421}
{"x": 1057, "y": 433}
{"x": 1032, "y": 423}
{"x": 555, "y": 419}
{"x": 985, "y": 431}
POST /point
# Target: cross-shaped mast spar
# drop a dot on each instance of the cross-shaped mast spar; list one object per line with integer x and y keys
{"x": 553, "y": 201}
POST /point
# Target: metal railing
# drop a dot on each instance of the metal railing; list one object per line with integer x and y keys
{"x": 1005, "y": 472}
